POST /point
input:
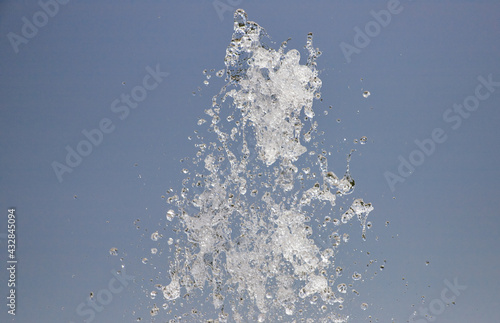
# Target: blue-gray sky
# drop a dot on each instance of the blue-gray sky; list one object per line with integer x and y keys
{"x": 64, "y": 79}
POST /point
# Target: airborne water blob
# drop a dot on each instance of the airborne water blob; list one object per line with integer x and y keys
{"x": 246, "y": 208}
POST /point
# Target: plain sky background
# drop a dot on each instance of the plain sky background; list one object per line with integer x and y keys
{"x": 64, "y": 79}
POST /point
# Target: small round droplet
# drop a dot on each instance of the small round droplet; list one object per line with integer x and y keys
{"x": 427, "y": 263}
{"x": 155, "y": 310}
{"x": 342, "y": 288}
{"x": 170, "y": 215}
{"x": 366, "y": 94}
{"x": 113, "y": 251}
{"x": 220, "y": 73}
{"x": 364, "y": 306}
{"x": 155, "y": 236}
{"x": 356, "y": 276}
{"x": 144, "y": 260}
{"x": 363, "y": 140}
{"x": 154, "y": 251}
{"x": 338, "y": 120}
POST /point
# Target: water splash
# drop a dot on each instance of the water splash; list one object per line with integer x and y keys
{"x": 247, "y": 207}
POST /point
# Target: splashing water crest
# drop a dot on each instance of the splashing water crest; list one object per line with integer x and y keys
{"x": 247, "y": 206}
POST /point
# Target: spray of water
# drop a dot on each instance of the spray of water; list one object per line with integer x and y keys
{"x": 247, "y": 205}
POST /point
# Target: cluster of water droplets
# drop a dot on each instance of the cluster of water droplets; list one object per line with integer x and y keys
{"x": 248, "y": 203}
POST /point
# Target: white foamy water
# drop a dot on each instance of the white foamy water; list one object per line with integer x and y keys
{"x": 251, "y": 250}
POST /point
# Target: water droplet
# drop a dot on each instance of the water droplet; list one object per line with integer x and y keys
{"x": 170, "y": 214}
{"x": 366, "y": 94}
{"x": 113, "y": 251}
{"x": 154, "y": 251}
{"x": 342, "y": 288}
{"x": 356, "y": 276}
{"x": 155, "y": 236}
{"x": 363, "y": 140}
{"x": 364, "y": 306}
{"x": 154, "y": 310}
{"x": 144, "y": 260}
